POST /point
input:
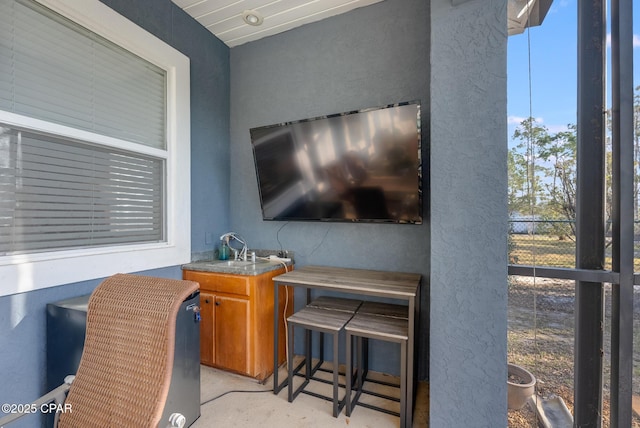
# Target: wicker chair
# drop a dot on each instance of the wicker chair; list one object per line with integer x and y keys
{"x": 125, "y": 370}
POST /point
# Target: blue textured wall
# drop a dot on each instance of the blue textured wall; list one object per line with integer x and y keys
{"x": 22, "y": 316}
{"x": 365, "y": 58}
{"x": 469, "y": 214}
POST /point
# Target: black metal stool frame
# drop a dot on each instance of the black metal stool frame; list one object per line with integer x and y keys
{"x": 362, "y": 337}
{"x": 309, "y": 372}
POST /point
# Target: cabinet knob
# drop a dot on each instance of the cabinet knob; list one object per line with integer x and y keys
{"x": 217, "y": 303}
{"x": 206, "y": 300}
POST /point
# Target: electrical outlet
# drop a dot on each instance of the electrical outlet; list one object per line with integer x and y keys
{"x": 283, "y": 253}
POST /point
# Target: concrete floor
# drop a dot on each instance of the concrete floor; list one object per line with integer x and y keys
{"x": 255, "y": 405}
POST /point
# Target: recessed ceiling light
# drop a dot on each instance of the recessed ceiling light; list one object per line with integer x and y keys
{"x": 252, "y": 17}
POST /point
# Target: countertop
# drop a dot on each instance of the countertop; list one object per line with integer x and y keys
{"x": 258, "y": 267}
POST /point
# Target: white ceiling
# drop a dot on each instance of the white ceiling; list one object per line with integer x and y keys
{"x": 224, "y": 17}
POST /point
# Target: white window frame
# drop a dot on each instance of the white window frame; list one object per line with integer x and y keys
{"x": 28, "y": 272}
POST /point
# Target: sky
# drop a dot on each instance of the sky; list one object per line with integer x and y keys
{"x": 553, "y": 69}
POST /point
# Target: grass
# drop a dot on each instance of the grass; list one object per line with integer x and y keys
{"x": 550, "y": 250}
{"x": 542, "y": 250}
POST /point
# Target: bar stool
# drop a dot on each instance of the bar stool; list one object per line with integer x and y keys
{"x": 324, "y": 321}
{"x": 364, "y": 326}
{"x": 334, "y": 304}
{"x": 386, "y": 310}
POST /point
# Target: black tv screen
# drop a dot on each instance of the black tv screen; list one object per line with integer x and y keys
{"x": 356, "y": 166}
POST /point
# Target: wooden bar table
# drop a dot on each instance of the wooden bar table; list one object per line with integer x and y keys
{"x": 391, "y": 285}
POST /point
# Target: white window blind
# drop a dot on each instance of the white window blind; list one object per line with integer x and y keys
{"x": 56, "y": 70}
{"x": 60, "y": 193}
{"x": 64, "y": 194}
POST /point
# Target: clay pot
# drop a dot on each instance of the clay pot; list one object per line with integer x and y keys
{"x": 520, "y": 386}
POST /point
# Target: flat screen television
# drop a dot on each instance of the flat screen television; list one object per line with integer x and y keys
{"x": 359, "y": 166}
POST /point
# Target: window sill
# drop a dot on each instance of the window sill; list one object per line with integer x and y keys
{"x": 24, "y": 273}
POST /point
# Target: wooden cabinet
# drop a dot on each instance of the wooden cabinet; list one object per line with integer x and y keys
{"x": 207, "y": 303}
{"x": 236, "y": 327}
{"x": 231, "y": 334}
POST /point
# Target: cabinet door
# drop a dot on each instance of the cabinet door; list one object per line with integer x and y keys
{"x": 231, "y": 333}
{"x": 207, "y": 319}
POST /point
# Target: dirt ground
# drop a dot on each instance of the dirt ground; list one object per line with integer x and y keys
{"x": 540, "y": 339}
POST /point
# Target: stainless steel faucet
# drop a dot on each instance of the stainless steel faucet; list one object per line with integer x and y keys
{"x": 243, "y": 252}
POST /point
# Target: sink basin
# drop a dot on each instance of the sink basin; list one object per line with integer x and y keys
{"x": 236, "y": 263}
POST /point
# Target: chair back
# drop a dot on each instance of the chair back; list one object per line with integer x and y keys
{"x": 125, "y": 371}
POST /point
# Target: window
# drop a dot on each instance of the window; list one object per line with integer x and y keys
{"x": 94, "y": 146}
{"x": 60, "y": 194}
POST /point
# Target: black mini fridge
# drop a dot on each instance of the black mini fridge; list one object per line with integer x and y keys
{"x": 66, "y": 326}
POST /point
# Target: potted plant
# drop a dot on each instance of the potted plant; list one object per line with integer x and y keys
{"x": 520, "y": 386}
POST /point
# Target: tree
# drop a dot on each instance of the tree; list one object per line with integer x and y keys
{"x": 528, "y": 170}
{"x": 518, "y": 196}
{"x": 559, "y": 153}
{"x": 542, "y": 171}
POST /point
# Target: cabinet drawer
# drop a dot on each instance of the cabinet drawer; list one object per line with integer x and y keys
{"x": 220, "y": 282}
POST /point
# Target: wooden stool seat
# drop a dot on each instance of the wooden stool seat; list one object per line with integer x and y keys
{"x": 320, "y": 319}
{"x": 336, "y": 303}
{"x": 384, "y": 309}
{"x": 379, "y": 327}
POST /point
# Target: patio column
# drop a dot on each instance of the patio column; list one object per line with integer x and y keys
{"x": 622, "y": 211}
{"x": 588, "y": 359}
